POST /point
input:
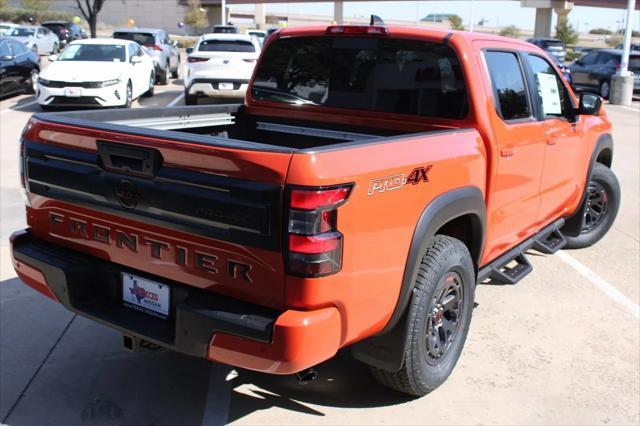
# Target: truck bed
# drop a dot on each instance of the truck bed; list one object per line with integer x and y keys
{"x": 223, "y": 125}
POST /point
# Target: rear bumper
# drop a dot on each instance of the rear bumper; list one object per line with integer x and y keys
{"x": 200, "y": 323}
{"x": 211, "y": 88}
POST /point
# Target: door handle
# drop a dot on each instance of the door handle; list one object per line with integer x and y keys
{"x": 506, "y": 152}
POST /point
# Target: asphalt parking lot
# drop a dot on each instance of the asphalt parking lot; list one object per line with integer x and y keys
{"x": 560, "y": 347}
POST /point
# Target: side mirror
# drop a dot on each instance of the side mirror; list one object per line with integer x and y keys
{"x": 189, "y": 50}
{"x": 136, "y": 59}
{"x": 53, "y": 58}
{"x": 6, "y": 58}
{"x": 589, "y": 104}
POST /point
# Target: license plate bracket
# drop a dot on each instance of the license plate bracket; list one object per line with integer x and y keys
{"x": 73, "y": 92}
{"x": 225, "y": 86}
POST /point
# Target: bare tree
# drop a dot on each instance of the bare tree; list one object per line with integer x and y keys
{"x": 90, "y": 12}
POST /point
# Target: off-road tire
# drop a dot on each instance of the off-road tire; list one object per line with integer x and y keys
{"x": 604, "y": 178}
{"x": 443, "y": 256}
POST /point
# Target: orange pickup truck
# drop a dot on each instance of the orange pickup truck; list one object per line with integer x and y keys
{"x": 373, "y": 176}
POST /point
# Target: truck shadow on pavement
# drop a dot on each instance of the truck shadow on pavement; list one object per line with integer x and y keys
{"x": 342, "y": 382}
{"x": 57, "y": 368}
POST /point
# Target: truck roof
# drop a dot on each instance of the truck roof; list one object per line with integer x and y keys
{"x": 404, "y": 31}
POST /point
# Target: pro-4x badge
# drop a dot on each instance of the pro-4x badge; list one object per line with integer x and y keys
{"x": 393, "y": 182}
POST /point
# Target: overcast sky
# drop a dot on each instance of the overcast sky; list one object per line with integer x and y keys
{"x": 498, "y": 13}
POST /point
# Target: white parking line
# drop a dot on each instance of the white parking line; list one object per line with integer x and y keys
{"x": 176, "y": 100}
{"x": 18, "y": 108}
{"x": 602, "y": 285}
{"x": 629, "y": 108}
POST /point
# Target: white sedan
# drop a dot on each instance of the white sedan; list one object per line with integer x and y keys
{"x": 39, "y": 39}
{"x": 96, "y": 73}
{"x": 220, "y": 66}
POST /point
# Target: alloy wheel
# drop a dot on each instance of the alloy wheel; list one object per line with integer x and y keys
{"x": 444, "y": 316}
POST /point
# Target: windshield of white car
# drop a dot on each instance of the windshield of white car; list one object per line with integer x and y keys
{"x": 94, "y": 52}
{"x": 226, "y": 46}
{"x": 21, "y": 32}
{"x": 144, "y": 39}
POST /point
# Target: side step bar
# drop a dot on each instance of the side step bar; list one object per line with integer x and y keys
{"x": 502, "y": 271}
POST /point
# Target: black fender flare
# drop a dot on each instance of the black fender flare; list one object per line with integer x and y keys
{"x": 385, "y": 350}
{"x": 603, "y": 151}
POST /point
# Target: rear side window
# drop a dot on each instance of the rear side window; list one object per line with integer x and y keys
{"x": 364, "y": 73}
{"x": 144, "y": 39}
{"x": 226, "y": 46}
{"x": 508, "y": 84}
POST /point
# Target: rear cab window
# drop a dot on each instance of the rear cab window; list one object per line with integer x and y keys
{"x": 508, "y": 82}
{"x": 390, "y": 75}
{"x": 145, "y": 39}
{"x": 226, "y": 46}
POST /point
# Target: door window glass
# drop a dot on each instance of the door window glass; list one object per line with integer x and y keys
{"x": 589, "y": 58}
{"x": 508, "y": 85}
{"x": 551, "y": 94}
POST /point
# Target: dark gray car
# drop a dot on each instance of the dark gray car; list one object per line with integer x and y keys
{"x": 164, "y": 52}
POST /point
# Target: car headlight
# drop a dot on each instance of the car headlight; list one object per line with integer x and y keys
{"x": 108, "y": 83}
{"x": 43, "y": 81}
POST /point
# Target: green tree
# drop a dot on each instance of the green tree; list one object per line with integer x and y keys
{"x": 510, "y": 31}
{"x": 565, "y": 32}
{"x": 456, "y": 22}
{"x": 90, "y": 12}
{"x": 614, "y": 40}
{"x": 195, "y": 17}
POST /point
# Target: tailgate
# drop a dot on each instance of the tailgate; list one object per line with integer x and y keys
{"x": 205, "y": 215}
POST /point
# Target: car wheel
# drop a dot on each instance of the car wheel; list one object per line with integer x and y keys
{"x": 190, "y": 99}
{"x": 600, "y": 207}
{"x": 164, "y": 75}
{"x": 176, "y": 72}
{"x": 438, "y": 318}
{"x": 35, "y": 49}
{"x": 129, "y": 96}
{"x": 32, "y": 82}
{"x": 152, "y": 88}
{"x": 605, "y": 89}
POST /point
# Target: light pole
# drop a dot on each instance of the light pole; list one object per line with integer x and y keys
{"x": 622, "y": 82}
{"x": 223, "y": 6}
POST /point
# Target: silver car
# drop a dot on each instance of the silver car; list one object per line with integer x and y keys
{"x": 164, "y": 52}
{"x": 39, "y": 39}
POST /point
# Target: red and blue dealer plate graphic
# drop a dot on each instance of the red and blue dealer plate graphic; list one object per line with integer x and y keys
{"x": 145, "y": 295}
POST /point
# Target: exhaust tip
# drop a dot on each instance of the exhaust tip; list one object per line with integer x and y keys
{"x": 306, "y": 376}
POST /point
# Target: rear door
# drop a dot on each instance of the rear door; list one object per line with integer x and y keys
{"x": 195, "y": 210}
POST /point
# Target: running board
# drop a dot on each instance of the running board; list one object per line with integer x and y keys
{"x": 503, "y": 271}
{"x": 550, "y": 243}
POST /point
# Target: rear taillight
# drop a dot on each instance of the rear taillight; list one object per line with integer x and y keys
{"x": 314, "y": 243}
{"x": 153, "y": 46}
{"x": 358, "y": 30}
{"x": 192, "y": 59}
{"x": 22, "y": 159}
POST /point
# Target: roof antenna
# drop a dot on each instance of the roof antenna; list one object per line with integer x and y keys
{"x": 376, "y": 20}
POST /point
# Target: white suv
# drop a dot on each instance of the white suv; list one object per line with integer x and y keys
{"x": 220, "y": 66}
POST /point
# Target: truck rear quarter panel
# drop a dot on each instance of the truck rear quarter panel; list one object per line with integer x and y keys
{"x": 380, "y": 216}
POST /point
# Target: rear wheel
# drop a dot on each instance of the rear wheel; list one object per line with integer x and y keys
{"x": 605, "y": 88}
{"x": 438, "y": 318}
{"x": 600, "y": 207}
{"x": 190, "y": 99}
{"x": 174, "y": 74}
{"x": 163, "y": 77}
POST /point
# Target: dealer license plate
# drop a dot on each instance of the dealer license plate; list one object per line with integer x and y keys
{"x": 225, "y": 86}
{"x": 73, "y": 92}
{"x": 145, "y": 295}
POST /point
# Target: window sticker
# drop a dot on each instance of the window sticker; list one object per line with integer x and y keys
{"x": 548, "y": 87}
